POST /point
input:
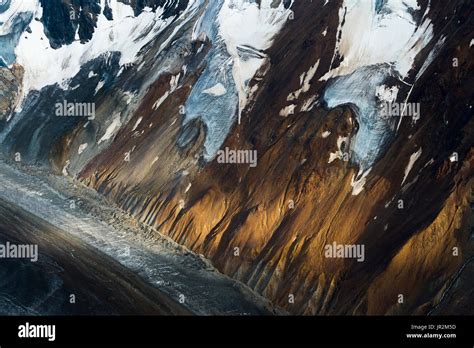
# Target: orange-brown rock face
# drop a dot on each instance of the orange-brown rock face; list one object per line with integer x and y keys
{"x": 10, "y": 86}
{"x": 270, "y": 226}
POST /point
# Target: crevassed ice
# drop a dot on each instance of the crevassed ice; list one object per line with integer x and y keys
{"x": 240, "y": 30}
{"x": 378, "y": 39}
{"x": 14, "y": 19}
{"x": 359, "y": 90}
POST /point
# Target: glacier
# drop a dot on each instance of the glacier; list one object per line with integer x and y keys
{"x": 378, "y": 41}
{"x": 232, "y": 62}
{"x": 234, "y": 59}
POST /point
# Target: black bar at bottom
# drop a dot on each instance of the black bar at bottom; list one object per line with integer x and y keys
{"x": 243, "y": 330}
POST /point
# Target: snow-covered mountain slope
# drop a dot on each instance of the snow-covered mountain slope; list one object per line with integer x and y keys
{"x": 124, "y": 33}
{"x": 377, "y": 41}
{"x": 234, "y": 59}
{"x": 378, "y": 32}
{"x": 238, "y": 55}
{"x": 158, "y": 87}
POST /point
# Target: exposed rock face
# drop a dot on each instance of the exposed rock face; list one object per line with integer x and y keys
{"x": 331, "y": 167}
{"x": 10, "y": 85}
{"x": 64, "y": 18}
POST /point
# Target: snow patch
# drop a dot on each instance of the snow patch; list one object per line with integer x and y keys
{"x": 309, "y": 103}
{"x": 173, "y": 86}
{"x": 99, "y": 86}
{"x": 137, "y": 123}
{"x": 305, "y": 82}
{"x": 64, "y": 171}
{"x": 111, "y": 129}
{"x": 81, "y": 148}
{"x": 288, "y": 110}
{"x": 433, "y": 54}
{"x": 217, "y": 90}
{"x": 358, "y": 185}
{"x": 413, "y": 158}
{"x": 326, "y": 134}
{"x": 339, "y": 154}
